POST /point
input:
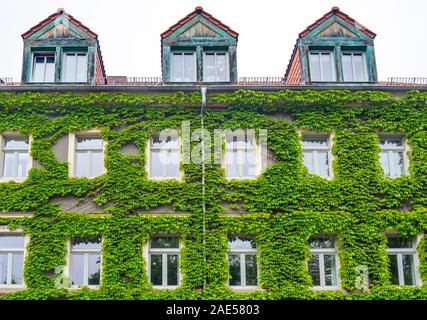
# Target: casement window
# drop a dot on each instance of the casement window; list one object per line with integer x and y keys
{"x": 85, "y": 261}
{"x": 74, "y": 67}
{"x": 12, "y": 249}
{"x": 393, "y": 156}
{"x": 165, "y": 156}
{"x": 317, "y": 155}
{"x": 322, "y": 265}
{"x": 16, "y": 159}
{"x": 322, "y": 67}
{"x": 402, "y": 253}
{"x": 164, "y": 256}
{"x": 183, "y": 66}
{"x": 215, "y": 67}
{"x": 241, "y": 155}
{"x": 89, "y": 156}
{"x": 242, "y": 261}
{"x": 43, "y": 67}
{"x": 354, "y": 67}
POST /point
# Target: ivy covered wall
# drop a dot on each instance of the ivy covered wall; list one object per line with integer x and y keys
{"x": 285, "y": 205}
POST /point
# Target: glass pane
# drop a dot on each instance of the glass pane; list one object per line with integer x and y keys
{"x": 239, "y": 141}
{"x": 70, "y": 67}
{"x": 50, "y": 70}
{"x": 188, "y": 67}
{"x": 164, "y": 242}
{"x": 94, "y": 271}
{"x": 173, "y": 164}
{"x": 330, "y": 270}
{"x": 86, "y": 243}
{"x": 399, "y": 242}
{"x": 241, "y": 242}
{"x": 17, "y": 268}
{"x": 22, "y": 164}
{"x": 3, "y": 268}
{"x": 9, "y": 165}
{"x": 16, "y": 143}
{"x": 156, "y": 167}
{"x": 322, "y": 243}
{"x": 178, "y": 67}
{"x": 165, "y": 141}
{"x": 313, "y": 269}
{"x": 77, "y": 266}
{"x": 315, "y": 67}
{"x": 82, "y": 164}
{"x": 394, "y": 269}
{"x": 398, "y": 163}
{"x": 11, "y": 242}
{"x": 323, "y": 164}
{"x": 81, "y": 68}
{"x": 234, "y": 264}
{"x": 50, "y": 60}
{"x": 38, "y": 69}
{"x": 231, "y": 165}
{"x": 359, "y": 67}
{"x": 249, "y": 165}
{"x": 314, "y": 142}
{"x": 156, "y": 269}
{"x": 326, "y": 62}
{"x": 95, "y": 143}
{"x": 221, "y": 67}
{"x": 408, "y": 269}
{"x": 384, "y": 161}
{"x": 251, "y": 270}
{"x": 391, "y": 142}
{"x": 172, "y": 270}
{"x": 308, "y": 161}
{"x": 97, "y": 163}
{"x": 209, "y": 68}
{"x": 347, "y": 67}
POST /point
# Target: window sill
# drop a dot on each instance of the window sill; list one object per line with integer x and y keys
{"x": 17, "y": 180}
{"x": 12, "y": 288}
{"x": 165, "y": 288}
{"x": 245, "y": 289}
{"x": 91, "y": 287}
{"x": 334, "y": 288}
{"x": 241, "y": 178}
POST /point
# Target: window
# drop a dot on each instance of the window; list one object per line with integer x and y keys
{"x": 322, "y": 265}
{"x": 89, "y": 157}
{"x": 215, "y": 67}
{"x": 322, "y": 66}
{"x": 353, "y": 66}
{"x": 240, "y": 155}
{"x": 165, "y": 156}
{"x": 11, "y": 260}
{"x": 392, "y": 156}
{"x": 16, "y": 160}
{"x": 164, "y": 261}
{"x": 75, "y": 67}
{"x": 85, "y": 261}
{"x": 317, "y": 155}
{"x": 242, "y": 261}
{"x": 183, "y": 67}
{"x": 43, "y": 67}
{"x": 402, "y": 254}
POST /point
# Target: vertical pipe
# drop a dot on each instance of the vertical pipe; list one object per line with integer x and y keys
{"x": 202, "y": 125}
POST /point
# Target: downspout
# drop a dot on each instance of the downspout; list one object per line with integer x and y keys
{"x": 202, "y": 126}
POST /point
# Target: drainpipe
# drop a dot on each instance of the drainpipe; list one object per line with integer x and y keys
{"x": 202, "y": 126}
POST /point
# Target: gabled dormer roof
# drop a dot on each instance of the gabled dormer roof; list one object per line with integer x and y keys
{"x": 199, "y": 11}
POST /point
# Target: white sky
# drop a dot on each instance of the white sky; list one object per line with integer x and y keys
{"x": 129, "y": 31}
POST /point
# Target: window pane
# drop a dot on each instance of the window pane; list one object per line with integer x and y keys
{"x": 347, "y": 67}
{"x": 221, "y": 67}
{"x": 173, "y": 164}
{"x": 86, "y": 243}
{"x": 81, "y": 68}
{"x": 384, "y": 161}
{"x": 95, "y": 143}
{"x": 308, "y": 161}
{"x": 77, "y": 266}
{"x": 156, "y": 269}
{"x": 39, "y": 69}
{"x": 94, "y": 271}
{"x": 156, "y": 166}
{"x": 241, "y": 242}
{"x": 391, "y": 142}
{"x": 322, "y": 243}
{"x": 164, "y": 141}
{"x": 3, "y": 268}
{"x": 234, "y": 263}
{"x": 239, "y": 141}
{"x": 70, "y": 67}
{"x": 82, "y": 164}
{"x": 313, "y": 269}
{"x": 178, "y": 67}
{"x": 50, "y": 70}
{"x": 359, "y": 67}
{"x": 394, "y": 269}
{"x": 97, "y": 163}
{"x": 323, "y": 164}
{"x": 325, "y": 60}
{"x": 188, "y": 67}
{"x": 22, "y": 164}
{"x": 315, "y": 67}
{"x": 209, "y": 69}
{"x": 314, "y": 142}
{"x": 399, "y": 242}
{"x": 11, "y": 242}
{"x": 231, "y": 164}
{"x": 9, "y": 165}
{"x": 164, "y": 242}
{"x": 172, "y": 269}
{"x": 16, "y": 143}
{"x": 330, "y": 270}
{"x": 408, "y": 269}
{"x": 398, "y": 163}
{"x": 17, "y": 268}
{"x": 251, "y": 270}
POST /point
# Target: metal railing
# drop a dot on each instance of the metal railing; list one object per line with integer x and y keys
{"x": 404, "y": 81}
{"x": 6, "y": 82}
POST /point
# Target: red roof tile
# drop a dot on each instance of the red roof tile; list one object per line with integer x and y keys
{"x": 199, "y": 10}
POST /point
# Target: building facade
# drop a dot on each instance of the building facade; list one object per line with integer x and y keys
{"x": 206, "y": 186}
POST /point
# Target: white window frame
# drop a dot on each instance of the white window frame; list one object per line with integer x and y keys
{"x": 148, "y": 251}
{"x": 321, "y": 252}
{"x": 257, "y": 153}
{"x": 33, "y": 64}
{"x": 172, "y": 59}
{"x": 149, "y": 159}
{"x": 406, "y": 251}
{"x": 365, "y": 70}
{"x": 333, "y": 68}
{"x": 72, "y": 148}
{"x": 68, "y": 268}
{"x": 3, "y": 137}
{"x": 329, "y": 140}
{"x": 4, "y": 230}
{"x": 390, "y": 150}
{"x": 64, "y": 66}
{"x": 242, "y": 255}
{"x": 227, "y": 65}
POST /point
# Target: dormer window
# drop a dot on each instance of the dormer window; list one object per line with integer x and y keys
{"x": 215, "y": 67}
{"x": 43, "y": 67}
{"x": 322, "y": 66}
{"x": 354, "y": 67}
{"x": 183, "y": 66}
{"x": 74, "y": 67}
